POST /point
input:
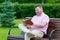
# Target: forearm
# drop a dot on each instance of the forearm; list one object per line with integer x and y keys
{"x": 40, "y": 25}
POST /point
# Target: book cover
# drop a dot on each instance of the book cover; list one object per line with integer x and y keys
{"x": 28, "y": 22}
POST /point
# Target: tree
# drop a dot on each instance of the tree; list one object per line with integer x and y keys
{"x": 7, "y": 14}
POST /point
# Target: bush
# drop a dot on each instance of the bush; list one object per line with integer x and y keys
{"x": 33, "y": 1}
{"x": 53, "y": 10}
{"x": 36, "y": 1}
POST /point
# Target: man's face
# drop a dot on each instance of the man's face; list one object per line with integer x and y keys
{"x": 38, "y": 10}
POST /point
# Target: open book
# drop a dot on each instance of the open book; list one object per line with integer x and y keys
{"x": 29, "y": 22}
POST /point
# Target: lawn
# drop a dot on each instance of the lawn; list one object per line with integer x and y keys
{"x": 15, "y": 31}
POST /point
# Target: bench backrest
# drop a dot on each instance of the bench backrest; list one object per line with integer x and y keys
{"x": 54, "y": 24}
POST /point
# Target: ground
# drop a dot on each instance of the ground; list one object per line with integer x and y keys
{"x": 15, "y": 31}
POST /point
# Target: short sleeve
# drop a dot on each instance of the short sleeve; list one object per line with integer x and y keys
{"x": 46, "y": 19}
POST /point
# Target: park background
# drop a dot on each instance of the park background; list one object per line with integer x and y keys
{"x": 12, "y": 12}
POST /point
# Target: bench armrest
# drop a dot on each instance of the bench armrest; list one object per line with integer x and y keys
{"x": 51, "y": 34}
{"x": 28, "y": 17}
{"x": 10, "y": 30}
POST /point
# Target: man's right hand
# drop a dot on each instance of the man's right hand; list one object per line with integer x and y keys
{"x": 29, "y": 26}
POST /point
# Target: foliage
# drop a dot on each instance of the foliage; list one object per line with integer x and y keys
{"x": 52, "y": 10}
{"x": 33, "y": 1}
{"x": 7, "y": 14}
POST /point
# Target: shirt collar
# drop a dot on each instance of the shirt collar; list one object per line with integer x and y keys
{"x": 41, "y": 14}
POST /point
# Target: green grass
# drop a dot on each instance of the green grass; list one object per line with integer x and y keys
{"x": 4, "y": 32}
{"x": 15, "y": 31}
{"x": 18, "y": 21}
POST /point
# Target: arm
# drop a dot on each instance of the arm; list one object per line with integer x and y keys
{"x": 44, "y": 22}
{"x": 40, "y": 25}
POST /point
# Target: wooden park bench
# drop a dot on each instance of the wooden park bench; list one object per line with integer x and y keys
{"x": 53, "y": 32}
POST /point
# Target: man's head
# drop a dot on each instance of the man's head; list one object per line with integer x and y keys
{"x": 38, "y": 9}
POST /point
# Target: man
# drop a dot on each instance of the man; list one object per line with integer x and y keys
{"x": 40, "y": 24}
